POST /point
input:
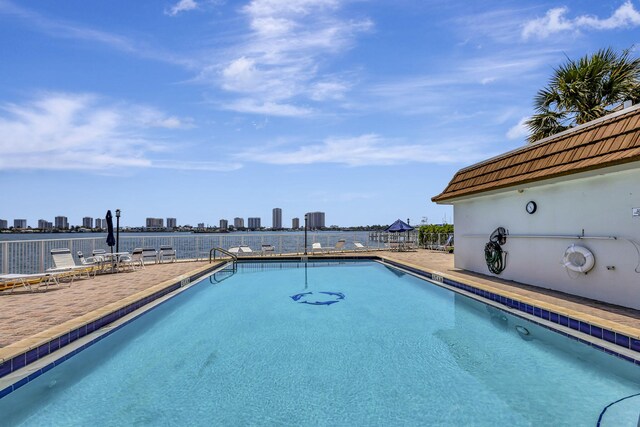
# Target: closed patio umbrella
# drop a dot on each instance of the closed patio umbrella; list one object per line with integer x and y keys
{"x": 111, "y": 240}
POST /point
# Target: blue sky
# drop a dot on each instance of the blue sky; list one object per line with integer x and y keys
{"x": 210, "y": 109}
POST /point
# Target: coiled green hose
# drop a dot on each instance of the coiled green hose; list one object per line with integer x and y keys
{"x": 493, "y": 257}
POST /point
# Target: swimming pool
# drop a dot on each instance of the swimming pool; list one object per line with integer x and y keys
{"x": 328, "y": 343}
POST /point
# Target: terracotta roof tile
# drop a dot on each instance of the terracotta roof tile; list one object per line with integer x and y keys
{"x": 605, "y": 142}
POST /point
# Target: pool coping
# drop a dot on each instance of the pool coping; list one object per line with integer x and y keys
{"x": 22, "y": 353}
{"x": 599, "y": 333}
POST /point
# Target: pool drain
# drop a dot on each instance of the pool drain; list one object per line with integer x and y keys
{"x": 328, "y": 298}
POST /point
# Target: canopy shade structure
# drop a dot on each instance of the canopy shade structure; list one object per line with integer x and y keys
{"x": 398, "y": 227}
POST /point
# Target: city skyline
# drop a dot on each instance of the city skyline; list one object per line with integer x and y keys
{"x": 62, "y": 222}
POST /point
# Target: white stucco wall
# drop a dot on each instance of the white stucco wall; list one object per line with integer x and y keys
{"x": 600, "y": 202}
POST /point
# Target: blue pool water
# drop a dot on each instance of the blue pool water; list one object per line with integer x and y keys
{"x": 394, "y": 350}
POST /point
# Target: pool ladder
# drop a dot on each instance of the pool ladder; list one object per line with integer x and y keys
{"x": 225, "y": 272}
{"x": 212, "y": 254}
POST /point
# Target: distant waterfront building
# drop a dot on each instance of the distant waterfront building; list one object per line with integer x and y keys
{"x": 43, "y": 224}
{"x": 4, "y": 224}
{"x": 276, "y": 217}
{"x": 87, "y": 222}
{"x": 295, "y": 223}
{"x": 172, "y": 223}
{"x": 238, "y": 222}
{"x": 254, "y": 223}
{"x": 19, "y": 223}
{"x": 155, "y": 223}
{"x": 61, "y": 222}
{"x": 224, "y": 224}
{"x": 201, "y": 225}
{"x": 315, "y": 220}
{"x": 101, "y": 223}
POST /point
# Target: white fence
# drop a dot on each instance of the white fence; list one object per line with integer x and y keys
{"x": 33, "y": 256}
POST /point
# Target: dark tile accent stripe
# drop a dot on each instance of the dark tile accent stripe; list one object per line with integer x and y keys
{"x": 618, "y": 339}
{"x": 33, "y": 355}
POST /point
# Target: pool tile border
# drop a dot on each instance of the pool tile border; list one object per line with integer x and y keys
{"x": 23, "y": 359}
{"x": 616, "y": 338}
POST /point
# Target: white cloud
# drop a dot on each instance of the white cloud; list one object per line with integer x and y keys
{"x": 518, "y": 131}
{"x": 181, "y": 6}
{"x": 555, "y": 22}
{"x": 83, "y": 132}
{"x": 281, "y": 60}
{"x": 364, "y": 150}
{"x": 247, "y": 105}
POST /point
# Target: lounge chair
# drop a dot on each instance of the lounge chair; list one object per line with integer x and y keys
{"x": 339, "y": 245}
{"x": 317, "y": 247}
{"x": 132, "y": 261}
{"x": 359, "y": 246}
{"x": 11, "y": 281}
{"x": 167, "y": 253}
{"x": 92, "y": 261}
{"x": 267, "y": 248}
{"x": 64, "y": 263}
{"x": 245, "y": 250}
{"x": 149, "y": 254}
{"x": 241, "y": 250}
{"x": 446, "y": 245}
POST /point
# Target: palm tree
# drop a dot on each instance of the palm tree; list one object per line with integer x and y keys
{"x": 584, "y": 90}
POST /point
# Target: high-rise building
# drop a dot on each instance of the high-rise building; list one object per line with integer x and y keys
{"x": 43, "y": 224}
{"x": 172, "y": 223}
{"x": 87, "y": 222}
{"x": 201, "y": 225}
{"x": 19, "y": 223}
{"x": 315, "y": 220}
{"x": 101, "y": 223}
{"x": 224, "y": 224}
{"x": 238, "y": 222}
{"x": 61, "y": 222}
{"x": 155, "y": 223}
{"x": 254, "y": 223}
{"x": 4, "y": 224}
{"x": 295, "y": 223}
{"x": 276, "y": 222}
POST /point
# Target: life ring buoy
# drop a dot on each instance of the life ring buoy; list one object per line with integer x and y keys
{"x": 581, "y": 263}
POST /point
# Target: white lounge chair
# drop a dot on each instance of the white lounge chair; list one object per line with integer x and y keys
{"x": 167, "y": 253}
{"x": 339, "y": 245}
{"x": 267, "y": 248}
{"x": 92, "y": 261}
{"x": 446, "y": 245}
{"x": 317, "y": 247}
{"x": 149, "y": 254}
{"x": 244, "y": 250}
{"x": 11, "y": 281}
{"x": 132, "y": 261}
{"x": 359, "y": 246}
{"x": 64, "y": 263}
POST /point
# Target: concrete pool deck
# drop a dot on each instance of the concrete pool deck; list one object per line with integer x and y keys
{"x": 27, "y": 319}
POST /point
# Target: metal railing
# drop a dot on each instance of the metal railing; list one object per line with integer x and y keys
{"x": 34, "y": 256}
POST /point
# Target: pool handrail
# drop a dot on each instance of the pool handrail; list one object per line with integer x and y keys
{"x": 212, "y": 254}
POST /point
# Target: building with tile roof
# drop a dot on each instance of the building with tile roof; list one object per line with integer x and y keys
{"x": 580, "y": 187}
